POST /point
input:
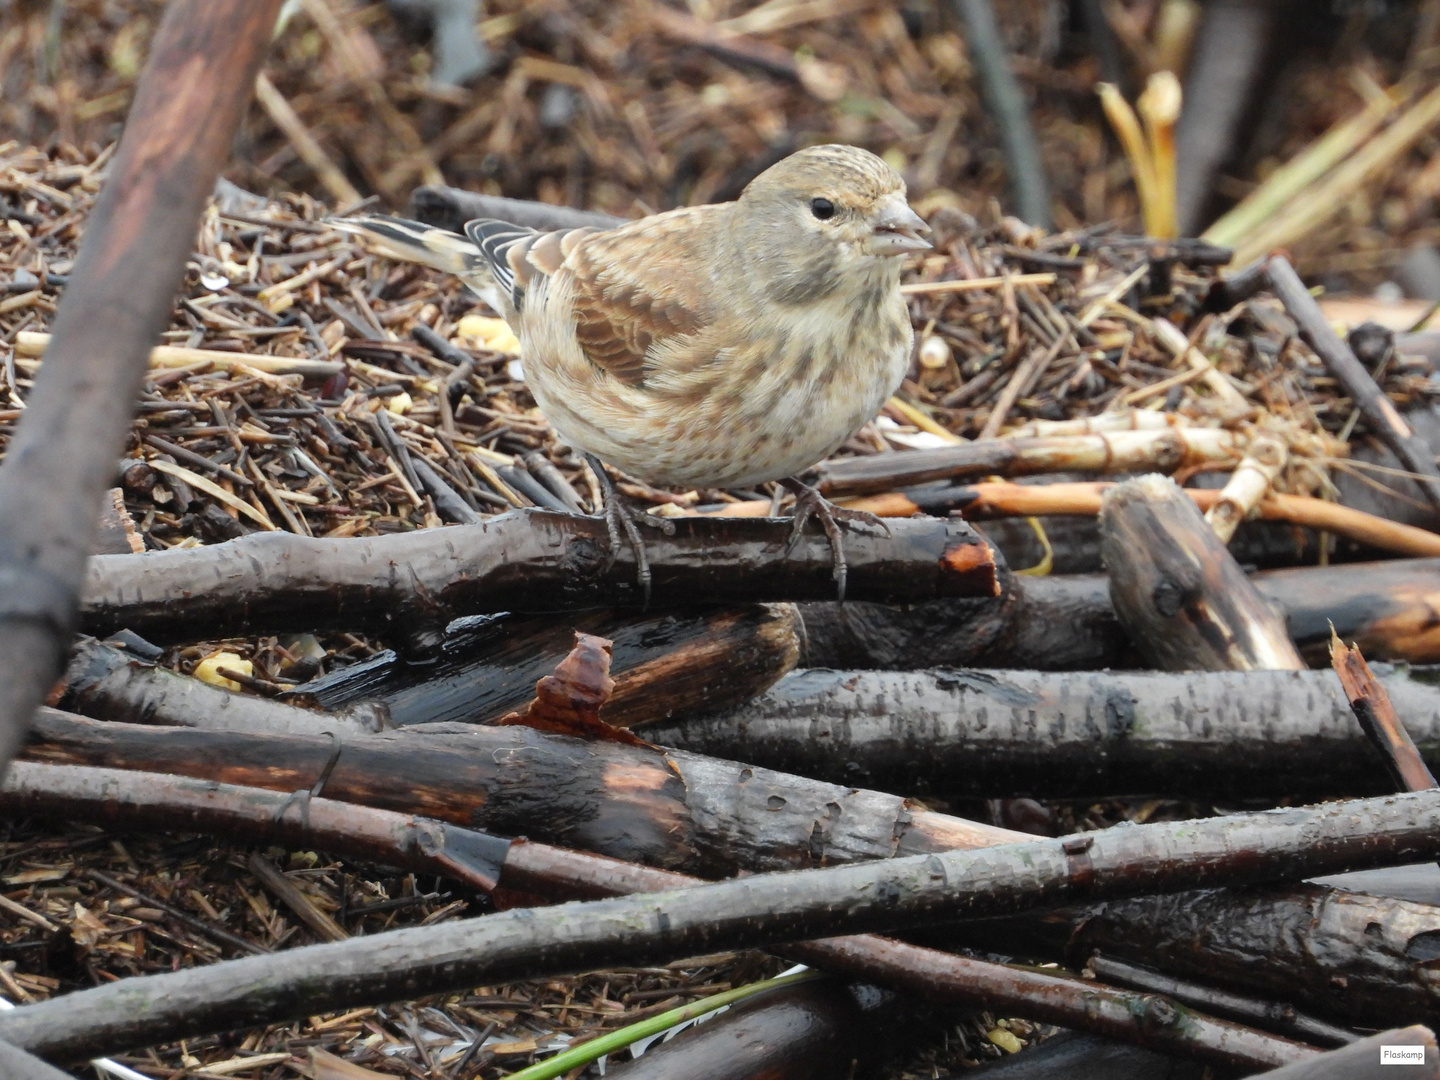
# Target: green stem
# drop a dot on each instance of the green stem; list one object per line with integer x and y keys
{"x": 617, "y": 1040}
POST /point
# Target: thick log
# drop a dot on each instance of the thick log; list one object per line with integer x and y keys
{"x": 1067, "y": 623}
{"x": 665, "y": 665}
{"x": 106, "y": 683}
{"x": 188, "y": 103}
{"x": 754, "y": 911}
{"x": 1178, "y": 591}
{"x": 415, "y": 583}
{"x": 1346, "y": 957}
{"x": 1363, "y": 1060}
{"x": 675, "y": 810}
{"x": 525, "y": 869}
{"x": 995, "y": 734}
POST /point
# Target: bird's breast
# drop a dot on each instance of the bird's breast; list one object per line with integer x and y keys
{"x": 745, "y": 402}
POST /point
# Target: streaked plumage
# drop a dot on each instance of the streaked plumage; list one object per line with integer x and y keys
{"x": 712, "y": 346}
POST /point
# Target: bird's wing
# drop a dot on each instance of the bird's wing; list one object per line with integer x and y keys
{"x": 634, "y": 289}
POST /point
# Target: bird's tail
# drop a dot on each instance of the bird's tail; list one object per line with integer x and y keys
{"x": 412, "y": 241}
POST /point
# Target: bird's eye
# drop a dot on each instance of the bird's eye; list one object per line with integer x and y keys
{"x": 823, "y": 209}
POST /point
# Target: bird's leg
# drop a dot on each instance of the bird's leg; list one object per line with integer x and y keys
{"x": 810, "y": 503}
{"x": 620, "y": 519}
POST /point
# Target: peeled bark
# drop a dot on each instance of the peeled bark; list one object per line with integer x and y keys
{"x": 665, "y": 665}
{"x": 995, "y": 734}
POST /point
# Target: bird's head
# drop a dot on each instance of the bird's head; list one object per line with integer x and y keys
{"x": 826, "y": 214}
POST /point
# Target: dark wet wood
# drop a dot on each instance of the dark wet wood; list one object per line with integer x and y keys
{"x": 410, "y": 585}
{"x": 675, "y": 810}
{"x": 1370, "y": 701}
{"x": 666, "y": 665}
{"x": 806, "y": 1032}
{"x": 997, "y": 733}
{"x": 1178, "y": 591}
{"x": 188, "y": 102}
{"x": 1067, "y": 623}
{"x": 755, "y": 911}
{"x": 107, "y": 683}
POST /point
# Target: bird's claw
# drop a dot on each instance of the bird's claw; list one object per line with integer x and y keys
{"x": 810, "y": 503}
{"x": 620, "y": 524}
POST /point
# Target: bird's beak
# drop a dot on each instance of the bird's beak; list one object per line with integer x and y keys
{"x": 898, "y": 231}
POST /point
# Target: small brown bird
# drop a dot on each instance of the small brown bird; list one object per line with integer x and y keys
{"x": 712, "y": 346}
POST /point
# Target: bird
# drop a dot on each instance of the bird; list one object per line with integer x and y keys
{"x": 716, "y": 346}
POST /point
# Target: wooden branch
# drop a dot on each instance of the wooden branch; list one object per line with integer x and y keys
{"x": 1067, "y": 623}
{"x": 997, "y": 734}
{"x": 530, "y": 560}
{"x": 753, "y": 911}
{"x": 665, "y": 665}
{"x": 1343, "y": 956}
{"x": 527, "y": 869}
{"x": 1179, "y": 591}
{"x": 106, "y": 683}
{"x": 1341, "y": 362}
{"x": 1378, "y": 718}
{"x": 1362, "y": 1061}
{"x": 1274, "y": 1016}
{"x": 188, "y": 103}
{"x": 677, "y": 810}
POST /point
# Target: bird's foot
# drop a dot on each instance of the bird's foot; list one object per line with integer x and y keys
{"x": 621, "y": 520}
{"x": 810, "y": 503}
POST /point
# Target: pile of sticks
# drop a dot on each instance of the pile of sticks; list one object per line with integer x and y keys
{"x": 335, "y": 601}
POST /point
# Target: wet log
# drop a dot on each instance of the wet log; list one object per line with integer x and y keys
{"x": 1067, "y": 623}
{"x": 187, "y": 106}
{"x": 1178, "y": 591}
{"x": 413, "y": 584}
{"x": 665, "y": 665}
{"x": 107, "y": 683}
{"x": 1364, "y": 1060}
{"x": 807, "y": 1032}
{"x": 753, "y": 911}
{"x": 517, "y": 872}
{"x": 675, "y": 810}
{"x": 996, "y": 734}
{"x": 1346, "y": 957}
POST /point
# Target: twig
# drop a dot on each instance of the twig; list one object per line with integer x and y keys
{"x": 1378, "y": 719}
{"x": 1341, "y": 362}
